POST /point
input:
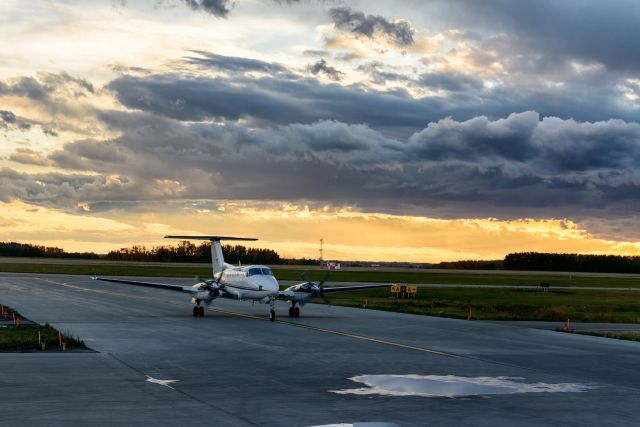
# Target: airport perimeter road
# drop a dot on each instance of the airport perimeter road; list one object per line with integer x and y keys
{"x": 235, "y": 368}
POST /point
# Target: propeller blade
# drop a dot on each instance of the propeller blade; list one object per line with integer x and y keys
{"x": 326, "y": 277}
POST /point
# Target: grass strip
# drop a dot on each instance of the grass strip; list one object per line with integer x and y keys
{"x": 24, "y": 338}
{"x": 504, "y": 304}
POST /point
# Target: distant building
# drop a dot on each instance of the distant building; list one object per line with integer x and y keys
{"x": 332, "y": 265}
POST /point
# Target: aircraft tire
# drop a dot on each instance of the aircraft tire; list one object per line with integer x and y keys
{"x": 195, "y": 311}
{"x": 272, "y": 315}
{"x": 201, "y": 311}
{"x": 291, "y": 312}
{"x": 296, "y": 312}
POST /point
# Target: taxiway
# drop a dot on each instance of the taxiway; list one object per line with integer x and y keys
{"x": 155, "y": 364}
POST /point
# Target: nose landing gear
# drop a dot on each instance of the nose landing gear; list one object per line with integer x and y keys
{"x": 272, "y": 313}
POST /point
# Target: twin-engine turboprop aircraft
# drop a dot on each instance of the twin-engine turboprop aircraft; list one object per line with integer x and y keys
{"x": 251, "y": 282}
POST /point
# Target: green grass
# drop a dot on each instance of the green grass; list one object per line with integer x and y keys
{"x": 25, "y": 338}
{"x": 505, "y": 304}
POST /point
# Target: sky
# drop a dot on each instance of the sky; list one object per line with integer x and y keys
{"x": 418, "y": 131}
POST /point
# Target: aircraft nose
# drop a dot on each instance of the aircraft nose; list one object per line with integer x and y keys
{"x": 268, "y": 283}
{"x": 273, "y": 282}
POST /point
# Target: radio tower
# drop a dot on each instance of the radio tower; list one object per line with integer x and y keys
{"x": 321, "y": 251}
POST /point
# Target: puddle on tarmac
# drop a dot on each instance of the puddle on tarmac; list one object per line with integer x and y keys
{"x": 453, "y": 386}
{"x": 361, "y": 424}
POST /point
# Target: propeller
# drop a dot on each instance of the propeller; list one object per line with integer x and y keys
{"x": 316, "y": 288}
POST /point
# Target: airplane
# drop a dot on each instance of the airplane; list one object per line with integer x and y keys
{"x": 306, "y": 291}
{"x": 244, "y": 283}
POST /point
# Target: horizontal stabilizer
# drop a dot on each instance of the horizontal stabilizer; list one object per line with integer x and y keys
{"x": 211, "y": 238}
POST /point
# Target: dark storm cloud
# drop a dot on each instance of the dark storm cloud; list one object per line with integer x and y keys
{"x": 345, "y": 19}
{"x": 272, "y": 100}
{"x": 452, "y": 82}
{"x": 282, "y": 97}
{"x": 8, "y": 120}
{"x": 7, "y": 116}
{"x": 509, "y": 139}
{"x": 234, "y": 63}
{"x": 586, "y": 30}
{"x": 321, "y": 67}
{"x": 512, "y": 167}
{"x": 219, "y": 8}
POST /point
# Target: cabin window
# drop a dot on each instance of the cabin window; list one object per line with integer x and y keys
{"x": 254, "y": 271}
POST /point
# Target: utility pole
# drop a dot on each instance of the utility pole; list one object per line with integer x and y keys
{"x": 321, "y": 251}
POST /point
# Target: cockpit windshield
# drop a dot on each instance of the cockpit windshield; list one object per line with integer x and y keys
{"x": 254, "y": 271}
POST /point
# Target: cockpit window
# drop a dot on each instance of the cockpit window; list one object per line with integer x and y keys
{"x": 254, "y": 271}
{"x": 267, "y": 272}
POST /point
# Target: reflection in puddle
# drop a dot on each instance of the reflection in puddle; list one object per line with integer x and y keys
{"x": 362, "y": 424}
{"x": 453, "y": 386}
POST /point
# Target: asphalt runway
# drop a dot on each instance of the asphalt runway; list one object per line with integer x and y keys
{"x": 235, "y": 368}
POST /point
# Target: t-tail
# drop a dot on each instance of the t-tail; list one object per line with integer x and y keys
{"x": 217, "y": 259}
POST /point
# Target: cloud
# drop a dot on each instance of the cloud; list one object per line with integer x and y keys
{"x": 512, "y": 167}
{"x": 234, "y": 64}
{"x": 451, "y": 82}
{"x": 29, "y": 157}
{"x": 270, "y": 93}
{"x": 557, "y": 31}
{"x": 371, "y": 26}
{"x": 55, "y": 101}
{"x": 8, "y": 120}
{"x": 219, "y": 8}
{"x": 321, "y": 67}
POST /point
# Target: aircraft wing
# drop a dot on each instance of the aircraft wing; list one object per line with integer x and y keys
{"x": 178, "y": 288}
{"x": 353, "y": 288}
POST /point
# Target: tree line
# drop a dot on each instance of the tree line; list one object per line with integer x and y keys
{"x": 541, "y": 261}
{"x": 188, "y": 252}
{"x": 471, "y": 265}
{"x": 14, "y": 249}
{"x": 572, "y": 262}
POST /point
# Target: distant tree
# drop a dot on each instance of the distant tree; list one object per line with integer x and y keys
{"x": 14, "y": 249}
{"x": 186, "y": 251}
{"x": 536, "y": 261}
{"x": 471, "y": 265}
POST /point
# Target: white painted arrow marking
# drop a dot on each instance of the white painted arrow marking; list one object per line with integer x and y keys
{"x": 161, "y": 382}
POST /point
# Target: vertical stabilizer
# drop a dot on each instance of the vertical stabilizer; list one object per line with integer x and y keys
{"x": 217, "y": 259}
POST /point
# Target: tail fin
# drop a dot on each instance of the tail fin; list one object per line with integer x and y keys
{"x": 217, "y": 259}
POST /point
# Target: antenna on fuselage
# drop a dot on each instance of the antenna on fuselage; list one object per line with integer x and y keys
{"x": 217, "y": 259}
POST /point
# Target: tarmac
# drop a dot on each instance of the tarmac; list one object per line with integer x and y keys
{"x": 155, "y": 364}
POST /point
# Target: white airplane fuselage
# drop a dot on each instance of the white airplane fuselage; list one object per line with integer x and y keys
{"x": 252, "y": 282}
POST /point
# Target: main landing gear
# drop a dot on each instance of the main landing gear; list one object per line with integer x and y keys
{"x": 272, "y": 313}
{"x": 294, "y": 311}
{"x": 198, "y": 311}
